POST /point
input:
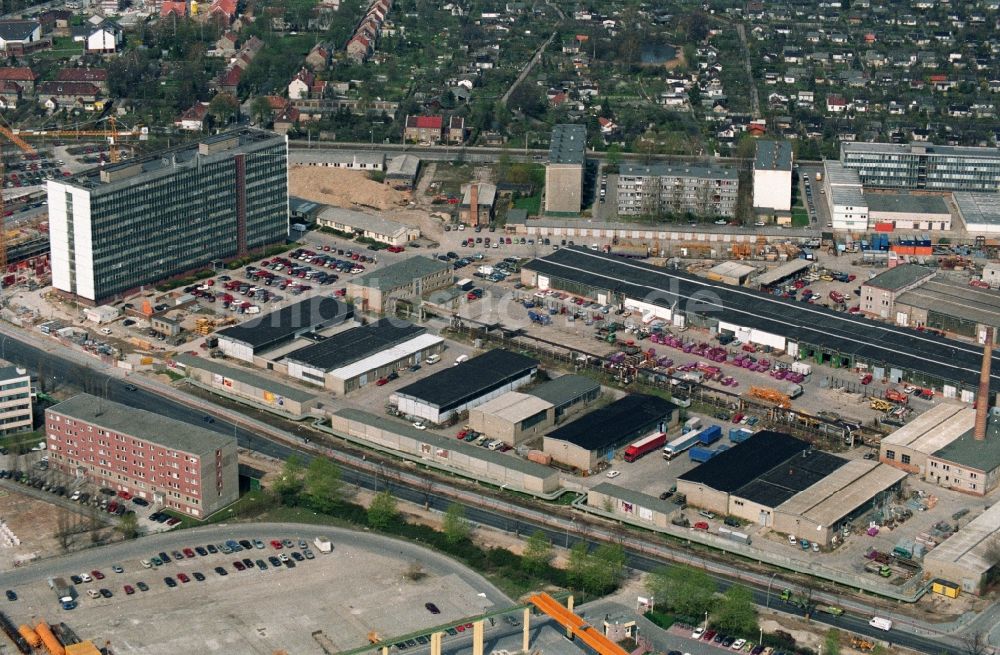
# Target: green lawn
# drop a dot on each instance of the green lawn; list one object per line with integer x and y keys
{"x": 23, "y": 442}
{"x": 800, "y": 217}
{"x": 532, "y": 203}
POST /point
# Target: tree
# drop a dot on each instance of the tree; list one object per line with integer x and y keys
{"x": 598, "y": 572}
{"x": 322, "y": 485}
{"x": 456, "y": 527}
{"x": 736, "y": 613}
{"x": 128, "y": 526}
{"x": 289, "y": 484}
{"x": 976, "y": 644}
{"x": 260, "y": 110}
{"x": 683, "y": 589}
{"x": 224, "y": 107}
{"x": 537, "y": 552}
{"x": 382, "y": 512}
{"x": 832, "y": 643}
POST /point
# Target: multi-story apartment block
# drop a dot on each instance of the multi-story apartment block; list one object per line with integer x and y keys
{"x": 701, "y": 189}
{"x": 772, "y": 176}
{"x": 564, "y": 172}
{"x": 923, "y": 166}
{"x": 170, "y": 463}
{"x": 15, "y": 400}
{"x": 140, "y": 221}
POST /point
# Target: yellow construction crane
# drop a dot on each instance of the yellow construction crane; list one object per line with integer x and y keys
{"x": 112, "y": 135}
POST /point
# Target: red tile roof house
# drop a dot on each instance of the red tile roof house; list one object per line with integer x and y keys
{"x": 10, "y": 94}
{"x": 358, "y": 48}
{"x": 178, "y": 7}
{"x": 423, "y": 129}
{"x": 229, "y": 81}
{"x": 194, "y": 118}
{"x": 22, "y": 75}
{"x": 223, "y": 8}
{"x": 301, "y": 84}
{"x": 67, "y": 94}
{"x": 96, "y": 76}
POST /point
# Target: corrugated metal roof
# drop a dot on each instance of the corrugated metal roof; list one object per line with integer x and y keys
{"x": 387, "y": 356}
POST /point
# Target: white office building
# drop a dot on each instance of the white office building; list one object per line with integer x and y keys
{"x": 844, "y": 197}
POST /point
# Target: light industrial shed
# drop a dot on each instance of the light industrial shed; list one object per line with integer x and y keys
{"x": 593, "y": 437}
{"x": 950, "y": 306}
{"x": 371, "y": 226}
{"x": 909, "y": 211}
{"x": 358, "y": 356}
{"x": 801, "y": 330}
{"x": 966, "y": 556}
{"x": 633, "y": 506}
{"x": 818, "y": 511}
{"x": 979, "y": 211}
{"x": 252, "y": 338}
{"x": 513, "y": 417}
{"x": 450, "y": 391}
{"x": 567, "y": 393}
{"x": 909, "y": 447}
{"x": 733, "y": 273}
{"x": 501, "y": 469}
{"x": 242, "y": 383}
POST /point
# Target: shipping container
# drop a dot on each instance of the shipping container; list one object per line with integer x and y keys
{"x": 739, "y": 435}
{"x": 701, "y": 455}
{"x": 710, "y": 435}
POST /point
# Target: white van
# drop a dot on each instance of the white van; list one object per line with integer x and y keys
{"x": 880, "y": 623}
{"x": 433, "y": 359}
{"x": 105, "y": 330}
{"x": 460, "y": 359}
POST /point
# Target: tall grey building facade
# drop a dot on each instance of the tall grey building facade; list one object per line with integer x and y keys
{"x": 923, "y": 166}
{"x": 141, "y": 221}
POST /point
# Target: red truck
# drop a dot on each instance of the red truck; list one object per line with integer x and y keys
{"x": 644, "y": 446}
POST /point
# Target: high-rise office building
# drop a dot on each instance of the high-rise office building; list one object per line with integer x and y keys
{"x": 923, "y": 166}
{"x": 701, "y": 189}
{"x": 138, "y": 222}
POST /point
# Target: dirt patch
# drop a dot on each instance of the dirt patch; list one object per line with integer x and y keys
{"x": 37, "y": 525}
{"x": 342, "y": 188}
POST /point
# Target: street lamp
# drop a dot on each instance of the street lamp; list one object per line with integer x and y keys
{"x": 770, "y": 580}
{"x": 706, "y": 621}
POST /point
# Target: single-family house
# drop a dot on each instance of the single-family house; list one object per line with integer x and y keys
{"x": 193, "y": 119}
{"x": 23, "y": 76}
{"x": 835, "y": 104}
{"x": 301, "y": 85}
{"x": 16, "y": 34}
{"x": 105, "y": 38}
{"x": 423, "y": 129}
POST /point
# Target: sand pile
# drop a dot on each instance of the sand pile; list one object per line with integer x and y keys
{"x": 341, "y": 188}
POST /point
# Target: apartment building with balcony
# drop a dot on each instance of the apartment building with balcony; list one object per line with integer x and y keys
{"x": 659, "y": 189}
{"x": 16, "y": 414}
{"x": 172, "y": 464}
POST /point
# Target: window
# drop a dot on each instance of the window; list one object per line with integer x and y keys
{"x": 890, "y": 454}
{"x": 905, "y": 459}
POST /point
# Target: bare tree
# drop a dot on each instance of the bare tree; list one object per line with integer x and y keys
{"x": 976, "y": 644}
{"x": 64, "y": 530}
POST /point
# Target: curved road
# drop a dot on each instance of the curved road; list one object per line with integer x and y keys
{"x": 163, "y": 399}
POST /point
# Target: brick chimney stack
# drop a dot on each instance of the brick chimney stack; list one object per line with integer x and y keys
{"x": 983, "y": 397}
{"x": 474, "y": 204}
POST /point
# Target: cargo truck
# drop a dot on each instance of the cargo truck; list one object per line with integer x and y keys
{"x": 66, "y": 593}
{"x": 693, "y": 423}
{"x": 705, "y": 436}
{"x": 644, "y": 446}
{"x": 323, "y": 544}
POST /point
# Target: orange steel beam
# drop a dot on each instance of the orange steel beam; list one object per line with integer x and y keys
{"x": 587, "y": 633}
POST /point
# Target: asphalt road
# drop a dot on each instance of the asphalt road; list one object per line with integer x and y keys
{"x": 59, "y": 370}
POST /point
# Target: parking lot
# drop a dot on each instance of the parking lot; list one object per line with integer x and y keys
{"x": 361, "y": 587}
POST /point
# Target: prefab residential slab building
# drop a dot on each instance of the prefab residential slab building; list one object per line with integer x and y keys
{"x": 564, "y": 171}
{"x": 170, "y": 463}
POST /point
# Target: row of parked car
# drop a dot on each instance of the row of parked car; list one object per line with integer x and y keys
{"x": 735, "y": 644}
{"x": 469, "y": 435}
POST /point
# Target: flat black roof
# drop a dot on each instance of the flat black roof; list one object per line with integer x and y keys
{"x": 609, "y": 426}
{"x": 463, "y": 382}
{"x": 737, "y": 467}
{"x": 355, "y": 344}
{"x": 795, "y": 474}
{"x": 274, "y": 328}
{"x": 814, "y": 325}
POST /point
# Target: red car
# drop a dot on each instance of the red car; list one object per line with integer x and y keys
{"x": 381, "y": 382}
{"x": 395, "y": 249}
{"x": 866, "y": 378}
{"x": 737, "y": 417}
{"x": 183, "y": 577}
{"x": 129, "y": 590}
{"x": 238, "y": 565}
{"x": 97, "y": 575}
{"x": 188, "y": 552}
{"x": 709, "y": 635}
{"x": 276, "y": 544}
{"x": 701, "y": 525}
